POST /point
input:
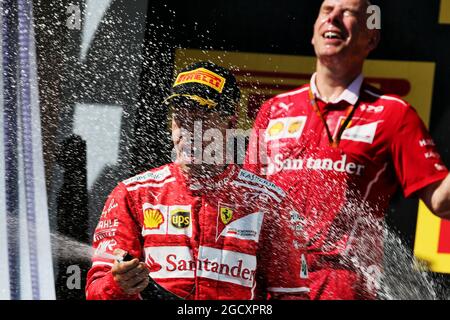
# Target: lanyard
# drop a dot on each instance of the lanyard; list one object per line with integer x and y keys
{"x": 334, "y": 142}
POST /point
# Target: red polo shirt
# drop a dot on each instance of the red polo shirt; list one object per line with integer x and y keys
{"x": 342, "y": 192}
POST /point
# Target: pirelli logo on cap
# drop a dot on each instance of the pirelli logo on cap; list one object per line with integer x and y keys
{"x": 202, "y": 76}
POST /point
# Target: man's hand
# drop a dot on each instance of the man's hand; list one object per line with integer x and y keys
{"x": 437, "y": 198}
{"x": 131, "y": 276}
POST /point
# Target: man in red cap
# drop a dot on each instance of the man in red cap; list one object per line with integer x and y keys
{"x": 198, "y": 228}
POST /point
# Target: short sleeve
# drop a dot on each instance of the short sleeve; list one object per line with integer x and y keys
{"x": 416, "y": 160}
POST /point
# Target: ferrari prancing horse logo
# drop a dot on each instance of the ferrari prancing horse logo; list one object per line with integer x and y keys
{"x": 226, "y": 214}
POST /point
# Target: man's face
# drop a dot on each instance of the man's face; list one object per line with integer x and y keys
{"x": 341, "y": 31}
{"x": 190, "y": 127}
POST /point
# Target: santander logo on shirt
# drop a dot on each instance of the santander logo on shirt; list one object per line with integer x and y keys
{"x": 215, "y": 264}
{"x": 279, "y": 164}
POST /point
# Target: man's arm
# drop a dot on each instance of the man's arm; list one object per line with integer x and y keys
{"x": 418, "y": 165}
{"x": 117, "y": 229}
{"x": 437, "y": 197}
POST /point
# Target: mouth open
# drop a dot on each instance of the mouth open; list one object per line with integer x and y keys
{"x": 332, "y": 35}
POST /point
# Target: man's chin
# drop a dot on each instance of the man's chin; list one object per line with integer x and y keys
{"x": 332, "y": 56}
{"x": 200, "y": 170}
{"x": 330, "y": 52}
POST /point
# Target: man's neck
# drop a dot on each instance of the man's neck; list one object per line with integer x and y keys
{"x": 202, "y": 173}
{"x": 332, "y": 82}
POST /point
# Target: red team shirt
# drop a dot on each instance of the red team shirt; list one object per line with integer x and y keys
{"x": 340, "y": 190}
{"x": 214, "y": 239}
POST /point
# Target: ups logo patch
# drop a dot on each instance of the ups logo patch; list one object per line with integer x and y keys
{"x": 180, "y": 219}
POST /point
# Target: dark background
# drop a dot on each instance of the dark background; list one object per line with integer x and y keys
{"x": 131, "y": 63}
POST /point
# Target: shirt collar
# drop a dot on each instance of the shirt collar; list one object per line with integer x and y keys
{"x": 350, "y": 95}
{"x": 207, "y": 184}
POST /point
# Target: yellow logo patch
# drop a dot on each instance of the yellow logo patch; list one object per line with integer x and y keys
{"x": 295, "y": 127}
{"x": 202, "y": 76}
{"x": 153, "y": 219}
{"x": 226, "y": 214}
{"x": 180, "y": 219}
{"x": 276, "y": 129}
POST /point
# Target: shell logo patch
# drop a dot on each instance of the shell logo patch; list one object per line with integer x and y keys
{"x": 153, "y": 219}
{"x": 276, "y": 129}
{"x": 295, "y": 127}
{"x": 285, "y": 128}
